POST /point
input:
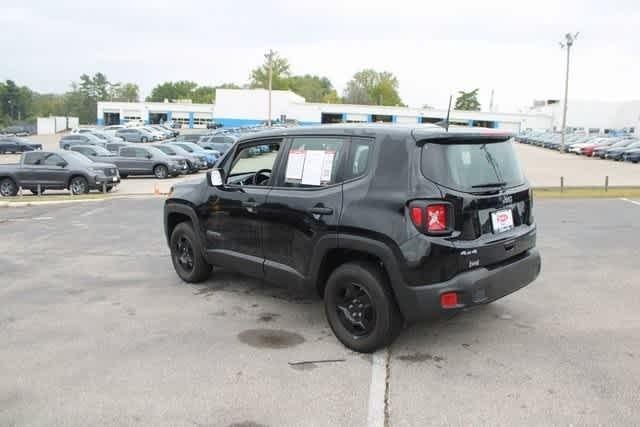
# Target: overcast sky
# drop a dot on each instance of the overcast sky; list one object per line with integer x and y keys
{"x": 434, "y": 47}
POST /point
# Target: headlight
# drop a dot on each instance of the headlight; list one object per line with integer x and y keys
{"x": 94, "y": 170}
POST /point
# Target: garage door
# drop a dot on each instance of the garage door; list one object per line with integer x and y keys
{"x": 406, "y": 119}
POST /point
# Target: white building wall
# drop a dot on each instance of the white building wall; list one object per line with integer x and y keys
{"x": 595, "y": 114}
{"x": 46, "y": 126}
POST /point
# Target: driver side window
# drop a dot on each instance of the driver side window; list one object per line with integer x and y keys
{"x": 252, "y": 159}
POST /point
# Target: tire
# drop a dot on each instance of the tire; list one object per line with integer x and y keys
{"x": 350, "y": 289}
{"x": 144, "y": 139}
{"x": 109, "y": 189}
{"x": 160, "y": 172}
{"x": 8, "y": 188}
{"x": 186, "y": 255}
{"x": 35, "y": 192}
{"x": 66, "y": 147}
{"x": 124, "y": 176}
{"x": 78, "y": 185}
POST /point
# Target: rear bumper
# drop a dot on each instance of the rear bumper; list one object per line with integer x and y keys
{"x": 474, "y": 287}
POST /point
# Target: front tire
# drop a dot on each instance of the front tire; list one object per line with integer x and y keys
{"x": 144, "y": 139}
{"x": 161, "y": 172}
{"x": 79, "y": 185}
{"x": 186, "y": 255}
{"x": 360, "y": 307}
{"x": 8, "y": 188}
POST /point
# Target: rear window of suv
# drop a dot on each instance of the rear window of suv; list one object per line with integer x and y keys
{"x": 473, "y": 166}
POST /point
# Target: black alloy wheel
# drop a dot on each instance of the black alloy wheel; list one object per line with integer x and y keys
{"x": 186, "y": 256}
{"x": 355, "y": 309}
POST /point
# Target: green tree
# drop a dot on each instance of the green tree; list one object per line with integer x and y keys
{"x": 182, "y": 89}
{"x": 311, "y": 88}
{"x": 468, "y": 101}
{"x": 124, "y": 92}
{"x": 371, "y": 87}
{"x": 204, "y": 95}
{"x": 279, "y": 76}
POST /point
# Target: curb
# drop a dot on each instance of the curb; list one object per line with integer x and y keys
{"x": 19, "y": 204}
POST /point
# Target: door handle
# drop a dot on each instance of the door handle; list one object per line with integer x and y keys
{"x": 321, "y": 211}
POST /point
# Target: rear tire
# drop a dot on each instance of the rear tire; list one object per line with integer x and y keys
{"x": 79, "y": 185}
{"x": 186, "y": 255}
{"x": 160, "y": 172}
{"x": 8, "y": 188}
{"x": 360, "y": 307}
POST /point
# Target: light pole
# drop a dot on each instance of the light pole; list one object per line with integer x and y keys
{"x": 269, "y": 57}
{"x": 569, "y": 39}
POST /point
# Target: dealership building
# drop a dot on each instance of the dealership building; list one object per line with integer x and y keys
{"x": 245, "y": 107}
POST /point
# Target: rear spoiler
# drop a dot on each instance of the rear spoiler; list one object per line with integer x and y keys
{"x": 460, "y": 137}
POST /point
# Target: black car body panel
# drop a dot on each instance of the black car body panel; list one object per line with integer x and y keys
{"x": 293, "y": 236}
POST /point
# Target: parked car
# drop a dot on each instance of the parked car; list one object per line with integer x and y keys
{"x": 194, "y": 162}
{"x": 576, "y": 148}
{"x": 79, "y": 139}
{"x": 95, "y": 153}
{"x": 211, "y": 156}
{"x": 589, "y": 149}
{"x": 173, "y": 131}
{"x": 146, "y": 160}
{"x": 134, "y": 135}
{"x": 217, "y": 147}
{"x": 213, "y": 125}
{"x": 56, "y": 171}
{"x": 618, "y": 153}
{"x": 601, "y": 151}
{"x": 190, "y": 137}
{"x": 632, "y": 155}
{"x": 112, "y": 129}
{"x": 157, "y": 135}
{"x": 390, "y": 225}
{"x": 83, "y": 130}
{"x": 164, "y": 131}
{"x": 15, "y": 144}
{"x": 18, "y": 130}
{"x": 114, "y": 147}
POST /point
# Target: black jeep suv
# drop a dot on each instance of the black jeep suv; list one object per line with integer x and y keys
{"x": 389, "y": 224}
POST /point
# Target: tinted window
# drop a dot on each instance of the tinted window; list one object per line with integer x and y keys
{"x": 128, "y": 152}
{"x": 470, "y": 167}
{"x": 166, "y": 149}
{"x": 313, "y": 161}
{"x": 141, "y": 153}
{"x": 33, "y": 158}
{"x": 358, "y": 159}
{"x": 52, "y": 159}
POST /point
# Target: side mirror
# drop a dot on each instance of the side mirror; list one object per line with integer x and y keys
{"x": 215, "y": 178}
{"x": 149, "y": 156}
{"x": 62, "y": 164}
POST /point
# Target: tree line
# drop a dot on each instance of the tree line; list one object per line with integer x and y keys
{"x": 367, "y": 87}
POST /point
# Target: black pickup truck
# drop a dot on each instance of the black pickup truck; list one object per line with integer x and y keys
{"x": 57, "y": 171}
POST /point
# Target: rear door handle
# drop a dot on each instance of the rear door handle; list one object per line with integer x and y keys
{"x": 321, "y": 211}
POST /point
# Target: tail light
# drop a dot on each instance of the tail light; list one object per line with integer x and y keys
{"x": 432, "y": 217}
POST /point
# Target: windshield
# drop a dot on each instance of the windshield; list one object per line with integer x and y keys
{"x": 67, "y": 155}
{"x": 472, "y": 167}
{"x": 165, "y": 149}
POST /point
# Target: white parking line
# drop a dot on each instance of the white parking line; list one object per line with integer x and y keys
{"x": 630, "y": 201}
{"x": 378, "y": 389}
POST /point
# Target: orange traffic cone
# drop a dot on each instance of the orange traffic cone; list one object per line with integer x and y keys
{"x": 156, "y": 190}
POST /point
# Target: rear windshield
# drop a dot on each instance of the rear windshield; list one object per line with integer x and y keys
{"x": 472, "y": 167}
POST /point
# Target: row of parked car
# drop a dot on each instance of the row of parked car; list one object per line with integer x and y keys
{"x": 623, "y": 148}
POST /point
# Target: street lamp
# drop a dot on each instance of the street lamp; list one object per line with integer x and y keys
{"x": 569, "y": 39}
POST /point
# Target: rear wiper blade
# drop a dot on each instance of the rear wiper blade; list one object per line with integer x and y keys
{"x": 490, "y": 184}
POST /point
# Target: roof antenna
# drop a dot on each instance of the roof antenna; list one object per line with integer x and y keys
{"x": 446, "y": 124}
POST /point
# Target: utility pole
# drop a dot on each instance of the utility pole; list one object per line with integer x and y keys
{"x": 491, "y": 102}
{"x": 269, "y": 57}
{"x": 568, "y": 42}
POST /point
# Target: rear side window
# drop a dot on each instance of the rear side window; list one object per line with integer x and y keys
{"x": 33, "y": 158}
{"x": 128, "y": 152}
{"x": 358, "y": 159}
{"x": 472, "y": 167}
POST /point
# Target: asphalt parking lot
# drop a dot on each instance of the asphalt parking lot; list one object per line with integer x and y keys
{"x": 96, "y": 329}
